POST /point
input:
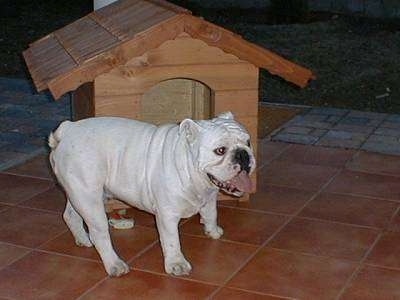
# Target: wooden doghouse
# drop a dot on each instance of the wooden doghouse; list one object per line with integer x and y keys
{"x": 133, "y": 59}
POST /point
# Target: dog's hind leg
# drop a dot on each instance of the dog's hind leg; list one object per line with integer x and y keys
{"x": 89, "y": 204}
{"x": 75, "y": 223}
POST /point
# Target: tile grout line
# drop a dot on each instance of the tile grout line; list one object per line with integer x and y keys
{"x": 28, "y": 197}
{"x": 29, "y": 250}
{"x": 366, "y": 196}
{"x": 276, "y": 156}
{"x": 280, "y": 228}
{"x": 309, "y": 254}
{"x": 79, "y": 257}
{"x": 68, "y": 255}
{"x": 37, "y": 249}
{"x": 373, "y": 173}
{"x": 184, "y": 278}
{"x": 28, "y": 176}
{"x": 358, "y": 268}
{"x": 16, "y": 161}
{"x": 258, "y": 210}
{"x": 193, "y": 235}
{"x": 393, "y": 216}
{"x": 308, "y": 218}
{"x": 331, "y": 128}
{"x": 353, "y": 157}
{"x": 95, "y": 285}
{"x": 372, "y": 131}
{"x": 43, "y": 210}
{"x": 336, "y": 193}
{"x": 293, "y": 187}
{"x": 262, "y": 294}
{"x": 265, "y": 212}
{"x": 318, "y": 192}
{"x": 246, "y": 261}
{"x": 397, "y": 269}
{"x": 338, "y": 223}
{"x": 362, "y": 261}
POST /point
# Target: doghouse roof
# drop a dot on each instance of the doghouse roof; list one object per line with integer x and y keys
{"x": 112, "y": 35}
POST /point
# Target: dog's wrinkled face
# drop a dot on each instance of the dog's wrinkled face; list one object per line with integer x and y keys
{"x": 223, "y": 151}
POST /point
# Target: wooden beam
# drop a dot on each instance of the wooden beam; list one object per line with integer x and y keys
{"x": 216, "y": 36}
{"x": 83, "y": 102}
{"x": 102, "y": 21}
{"x": 137, "y": 80}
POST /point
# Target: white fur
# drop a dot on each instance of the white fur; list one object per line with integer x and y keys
{"x": 162, "y": 170}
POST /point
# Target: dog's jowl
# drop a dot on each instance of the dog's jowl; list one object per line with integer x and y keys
{"x": 172, "y": 171}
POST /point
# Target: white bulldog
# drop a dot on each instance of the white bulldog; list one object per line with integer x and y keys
{"x": 172, "y": 171}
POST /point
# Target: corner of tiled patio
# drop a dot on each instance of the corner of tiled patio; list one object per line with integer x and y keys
{"x": 324, "y": 223}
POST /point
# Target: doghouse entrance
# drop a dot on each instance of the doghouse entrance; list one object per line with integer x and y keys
{"x": 173, "y": 100}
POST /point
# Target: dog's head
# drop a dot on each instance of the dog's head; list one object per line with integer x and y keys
{"x": 222, "y": 149}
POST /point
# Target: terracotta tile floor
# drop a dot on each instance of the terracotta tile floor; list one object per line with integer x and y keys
{"x": 324, "y": 224}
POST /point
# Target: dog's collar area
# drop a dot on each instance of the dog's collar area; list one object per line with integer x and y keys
{"x": 225, "y": 186}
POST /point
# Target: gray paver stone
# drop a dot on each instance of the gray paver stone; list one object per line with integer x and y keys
{"x": 295, "y": 138}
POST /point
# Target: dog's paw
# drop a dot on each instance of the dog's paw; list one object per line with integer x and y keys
{"x": 178, "y": 268}
{"x": 83, "y": 241}
{"x": 214, "y": 233}
{"x": 117, "y": 269}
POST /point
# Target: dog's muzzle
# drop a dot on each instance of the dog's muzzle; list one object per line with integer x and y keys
{"x": 241, "y": 182}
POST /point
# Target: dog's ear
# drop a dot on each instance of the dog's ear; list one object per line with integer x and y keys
{"x": 226, "y": 115}
{"x": 190, "y": 129}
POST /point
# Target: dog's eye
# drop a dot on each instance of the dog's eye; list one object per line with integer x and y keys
{"x": 220, "y": 151}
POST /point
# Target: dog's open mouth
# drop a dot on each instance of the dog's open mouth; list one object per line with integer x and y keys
{"x": 238, "y": 185}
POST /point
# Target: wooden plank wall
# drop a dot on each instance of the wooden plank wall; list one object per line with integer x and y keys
{"x": 83, "y": 102}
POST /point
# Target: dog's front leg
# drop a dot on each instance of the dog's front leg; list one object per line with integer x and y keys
{"x": 174, "y": 261}
{"x": 208, "y": 217}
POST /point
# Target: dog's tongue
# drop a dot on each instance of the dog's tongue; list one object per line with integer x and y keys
{"x": 242, "y": 182}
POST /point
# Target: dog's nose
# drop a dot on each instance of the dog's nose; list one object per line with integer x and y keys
{"x": 243, "y": 159}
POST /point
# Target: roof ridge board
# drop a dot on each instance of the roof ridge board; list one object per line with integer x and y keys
{"x": 65, "y": 47}
{"x": 170, "y": 6}
{"x": 156, "y": 16}
{"x": 116, "y": 31}
{"x": 118, "y": 19}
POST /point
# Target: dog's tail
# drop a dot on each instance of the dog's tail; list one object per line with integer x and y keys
{"x": 55, "y": 137}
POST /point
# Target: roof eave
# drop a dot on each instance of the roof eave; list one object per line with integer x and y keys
{"x": 232, "y": 43}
